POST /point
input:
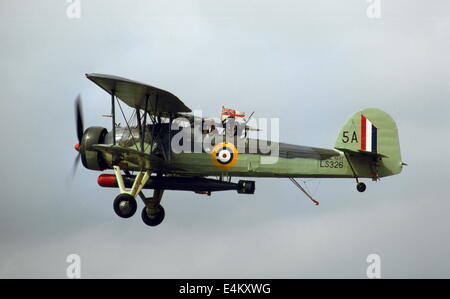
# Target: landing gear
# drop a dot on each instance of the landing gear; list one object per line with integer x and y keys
{"x": 125, "y": 205}
{"x": 153, "y": 216}
{"x": 153, "y": 213}
{"x": 361, "y": 187}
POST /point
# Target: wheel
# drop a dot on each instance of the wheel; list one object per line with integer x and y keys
{"x": 361, "y": 187}
{"x": 154, "y": 217}
{"x": 125, "y": 205}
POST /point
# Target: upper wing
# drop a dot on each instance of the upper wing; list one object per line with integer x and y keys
{"x": 134, "y": 94}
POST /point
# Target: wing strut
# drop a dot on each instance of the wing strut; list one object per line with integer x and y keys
{"x": 297, "y": 184}
{"x": 351, "y": 167}
{"x": 139, "y": 122}
{"x": 113, "y": 113}
{"x": 145, "y": 122}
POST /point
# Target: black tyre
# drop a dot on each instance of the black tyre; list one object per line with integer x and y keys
{"x": 361, "y": 187}
{"x": 154, "y": 217}
{"x": 125, "y": 205}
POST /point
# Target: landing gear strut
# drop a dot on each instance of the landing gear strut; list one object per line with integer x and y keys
{"x": 125, "y": 204}
{"x": 360, "y": 186}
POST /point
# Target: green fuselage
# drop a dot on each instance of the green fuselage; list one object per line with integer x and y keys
{"x": 249, "y": 165}
{"x": 290, "y": 161}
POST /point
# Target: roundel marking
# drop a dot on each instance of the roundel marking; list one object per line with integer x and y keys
{"x": 224, "y": 155}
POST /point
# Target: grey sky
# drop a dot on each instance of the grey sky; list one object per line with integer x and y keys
{"x": 310, "y": 63}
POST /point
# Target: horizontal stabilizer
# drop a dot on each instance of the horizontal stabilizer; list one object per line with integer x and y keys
{"x": 362, "y": 153}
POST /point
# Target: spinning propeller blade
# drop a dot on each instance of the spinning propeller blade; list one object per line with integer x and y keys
{"x": 75, "y": 164}
{"x": 79, "y": 118}
{"x": 80, "y": 131}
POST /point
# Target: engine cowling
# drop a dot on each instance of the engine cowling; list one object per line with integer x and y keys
{"x": 91, "y": 158}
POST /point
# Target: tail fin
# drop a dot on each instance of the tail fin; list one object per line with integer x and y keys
{"x": 372, "y": 133}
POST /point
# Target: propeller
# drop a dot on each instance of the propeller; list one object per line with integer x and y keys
{"x": 80, "y": 130}
{"x": 79, "y": 118}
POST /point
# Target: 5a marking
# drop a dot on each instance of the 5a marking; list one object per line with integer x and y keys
{"x": 346, "y": 137}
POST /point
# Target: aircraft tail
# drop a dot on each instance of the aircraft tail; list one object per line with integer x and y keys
{"x": 370, "y": 140}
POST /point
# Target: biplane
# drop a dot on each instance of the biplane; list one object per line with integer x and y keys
{"x": 146, "y": 154}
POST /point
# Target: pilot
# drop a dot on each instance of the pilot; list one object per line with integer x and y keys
{"x": 230, "y": 125}
{"x": 213, "y": 130}
{"x": 240, "y": 128}
{"x": 204, "y": 127}
{"x": 208, "y": 126}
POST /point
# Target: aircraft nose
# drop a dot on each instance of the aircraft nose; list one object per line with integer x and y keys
{"x": 77, "y": 147}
